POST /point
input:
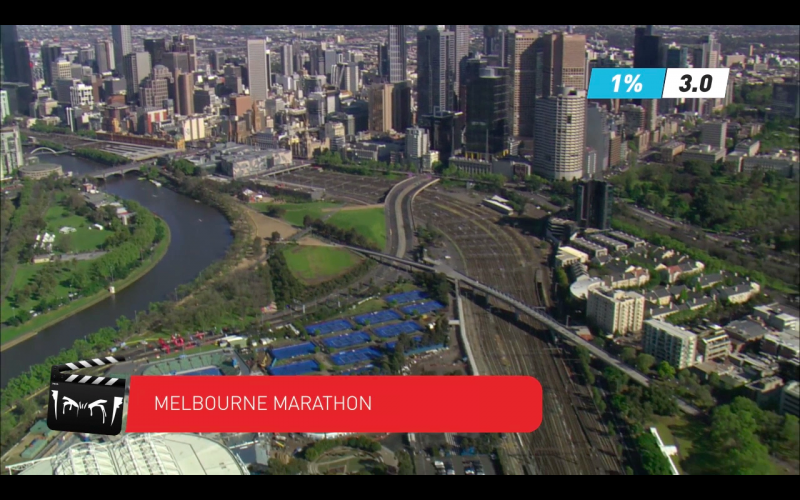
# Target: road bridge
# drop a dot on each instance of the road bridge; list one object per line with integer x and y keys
{"x": 119, "y": 170}
{"x": 519, "y": 307}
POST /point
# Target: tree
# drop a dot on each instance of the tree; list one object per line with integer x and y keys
{"x": 275, "y": 237}
{"x": 644, "y": 362}
{"x": 75, "y": 201}
{"x": 628, "y": 355}
{"x": 616, "y": 379}
{"x": 665, "y": 371}
{"x": 256, "y": 246}
{"x": 65, "y": 243}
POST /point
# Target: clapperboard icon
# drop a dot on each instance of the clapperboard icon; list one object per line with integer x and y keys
{"x": 85, "y": 404}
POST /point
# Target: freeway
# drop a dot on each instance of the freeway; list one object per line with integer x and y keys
{"x": 398, "y": 213}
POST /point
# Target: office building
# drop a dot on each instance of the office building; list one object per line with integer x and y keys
{"x": 287, "y": 61}
{"x": 598, "y": 133}
{"x": 435, "y": 70}
{"x": 81, "y": 95}
{"x": 50, "y": 54}
{"x": 714, "y": 134}
{"x": 396, "y": 53}
{"x": 216, "y": 60}
{"x": 176, "y": 62}
{"x": 417, "y": 142}
{"x": 786, "y": 98}
{"x": 61, "y": 69}
{"x": 123, "y": 45}
{"x": 136, "y": 67}
{"x": 104, "y": 56}
{"x": 5, "y": 107}
{"x": 401, "y": 106}
{"x": 154, "y": 90}
{"x": 593, "y": 201}
{"x": 486, "y": 113}
{"x": 670, "y": 343}
{"x": 445, "y": 130}
{"x": 11, "y": 150}
{"x": 677, "y": 57}
{"x": 257, "y": 69}
{"x": 184, "y": 94}
{"x": 615, "y": 312}
{"x": 380, "y": 108}
{"x": 707, "y": 55}
{"x": 522, "y": 82}
{"x": 714, "y": 344}
{"x": 790, "y": 399}
{"x": 561, "y": 63}
{"x": 646, "y": 48}
{"x": 156, "y": 47}
{"x": 8, "y": 39}
{"x": 703, "y": 153}
{"x": 16, "y": 57}
{"x": 494, "y": 44}
{"x": 460, "y": 50}
{"x": 560, "y": 135}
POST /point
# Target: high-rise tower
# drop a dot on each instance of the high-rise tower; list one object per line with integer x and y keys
{"x": 397, "y": 53}
{"x": 560, "y": 135}
{"x": 435, "y": 69}
{"x": 257, "y": 69}
{"x": 123, "y": 45}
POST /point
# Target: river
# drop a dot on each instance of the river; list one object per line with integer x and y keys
{"x": 200, "y": 236}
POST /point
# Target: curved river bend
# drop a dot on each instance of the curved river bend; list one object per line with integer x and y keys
{"x": 200, "y": 236}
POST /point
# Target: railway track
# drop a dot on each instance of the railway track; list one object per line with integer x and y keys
{"x": 572, "y": 439}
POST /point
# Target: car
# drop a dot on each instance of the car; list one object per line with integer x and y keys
{"x": 480, "y": 473}
{"x": 469, "y": 472}
{"x": 451, "y": 472}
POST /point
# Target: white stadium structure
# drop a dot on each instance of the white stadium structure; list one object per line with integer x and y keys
{"x": 141, "y": 454}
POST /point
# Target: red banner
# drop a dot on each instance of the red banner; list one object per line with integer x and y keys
{"x": 359, "y": 404}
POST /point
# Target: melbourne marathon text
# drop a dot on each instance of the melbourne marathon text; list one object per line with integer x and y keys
{"x": 262, "y": 403}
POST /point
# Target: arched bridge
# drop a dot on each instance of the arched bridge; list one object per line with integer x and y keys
{"x": 120, "y": 170}
{"x": 43, "y": 149}
{"x": 520, "y": 308}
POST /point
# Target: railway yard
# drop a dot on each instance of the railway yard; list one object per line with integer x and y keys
{"x": 572, "y": 438}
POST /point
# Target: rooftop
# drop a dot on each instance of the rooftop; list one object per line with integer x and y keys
{"x": 144, "y": 454}
{"x": 670, "y": 329}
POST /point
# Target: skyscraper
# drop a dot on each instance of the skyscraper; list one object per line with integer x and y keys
{"x": 709, "y": 53}
{"x": 11, "y": 157}
{"x": 184, "y": 94}
{"x": 435, "y": 69}
{"x": 522, "y": 80}
{"x": 598, "y": 133}
{"x": 380, "y": 107}
{"x": 216, "y": 60}
{"x": 50, "y": 53}
{"x": 156, "y": 47}
{"x": 15, "y": 67}
{"x": 593, "y": 201}
{"x": 677, "y": 57}
{"x": 401, "y": 106}
{"x": 460, "y": 55}
{"x": 560, "y": 135}
{"x": 123, "y": 45}
{"x": 23, "y": 62}
{"x": 257, "y": 69}
{"x": 397, "y": 53}
{"x": 136, "y": 67}
{"x": 287, "y": 61}
{"x": 494, "y": 43}
{"x": 646, "y": 48}
{"x": 487, "y": 112}
{"x": 563, "y": 63}
{"x": 104, "y": 55}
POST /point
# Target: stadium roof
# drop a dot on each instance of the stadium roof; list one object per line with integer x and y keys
{"x": 144, "y": 454}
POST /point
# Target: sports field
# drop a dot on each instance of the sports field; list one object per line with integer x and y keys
{"x": 315, "y": 264}
{"x": 371, "y": 223}
{"x": 296, "y": 212}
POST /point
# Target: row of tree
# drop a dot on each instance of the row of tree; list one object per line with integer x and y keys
{"x": 100, "y": 156}
{"x": 335, "y": 233}
{"x": 316, "y": 450}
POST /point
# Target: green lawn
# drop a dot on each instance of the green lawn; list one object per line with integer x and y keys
{"x": 296, "y": 212}
{"x": 675, "y": 431}
{"x": 370, "y": 222}
{"x": 83, "y": 239}
{"x": 314, "y": 264}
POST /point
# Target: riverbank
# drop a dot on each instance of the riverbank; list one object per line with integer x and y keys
{"x": 16, "y": 335}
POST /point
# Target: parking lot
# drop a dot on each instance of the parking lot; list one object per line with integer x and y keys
{"x": 459, "y": 465}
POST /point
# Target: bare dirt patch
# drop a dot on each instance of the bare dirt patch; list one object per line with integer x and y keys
{"x": 265, "y": 226}
{"x": 350, "y": 208}
{"x": 312, "y": 242}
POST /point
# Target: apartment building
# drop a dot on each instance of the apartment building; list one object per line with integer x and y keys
{"x": 670, "y": 343}
{"x": 616, "y": 311}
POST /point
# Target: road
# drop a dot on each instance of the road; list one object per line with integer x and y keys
{"x": 399, "y": 222}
